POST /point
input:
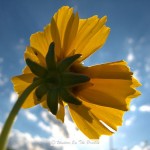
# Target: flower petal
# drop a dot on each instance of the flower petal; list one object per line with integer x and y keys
{"x": 20, "y": 84}
{"x": 64, "y": 26}
{"x": 34, "y": 55}
{"x": 61, "y": 110}
{"x": 113, "y": 85}
{"x": 108, "y": 92}
{"x": 91, "y": 35}
{"x": 70, "y": 34}
{"x": 41, "y": 40}
{"x": 26, "y": 70}
{"x": 87, "y": 122}
{"x": 113, "y": 70}
{"x": 112, "y": 117}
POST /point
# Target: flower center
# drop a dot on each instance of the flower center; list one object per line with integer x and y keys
{"x": 53, "y": 79}
{"x": 58, "y": 81}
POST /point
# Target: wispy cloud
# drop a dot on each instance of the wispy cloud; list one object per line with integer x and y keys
{"x": 3, "y": 79}
{"x": 54, "y": 124}
{"x": 13, "y": 97}
{"x": 137, "y": 74}
{"x": 132, "y": 108}
{"x": 130, "y": 121}
{"x": 30, "y": 116}
{"x": 20, "y": 45}
{"x": 130, "y": 40}
{"x": 1, "y": 60}
{"x": 44, "y": 127}
{"x": 25, "y": 141}
{"x": 141, "y": 146}
{"x": 145, "y": 108}
{"x": 130, "y": 57}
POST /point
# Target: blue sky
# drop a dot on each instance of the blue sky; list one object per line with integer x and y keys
{"x": 129, "y": 40}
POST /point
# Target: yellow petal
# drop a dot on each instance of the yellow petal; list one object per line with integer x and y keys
{"x": 61, "y": 18}
{"x": 26, "y": 70}
{"x": 35, "y": 56}
{"x": 108, "y": 92}
{"x": 31, "y": 100}
{"x": 136, "y": 83}
{"x": 61, "y": 112}
{"x": 70, "y": 34}
{"x": 114, "y": 70}
{"x": 56, "y": 39}
{"x": 87, "y": 122}
{"x": 20, "y": 84}
{"x": 41, "y": 40}
{"x": 112, "y": 117}
{"x": 64, "y": 26}
{"x": 113, "y": 85}
{"x": 92, "y": 34}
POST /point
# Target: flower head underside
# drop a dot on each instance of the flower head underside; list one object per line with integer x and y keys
{"x": 95, "y": 94}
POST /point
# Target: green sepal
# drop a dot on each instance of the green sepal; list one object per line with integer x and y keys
{"x": 67, "y": 62}
{"x": 52, "y": 101}
{"x": 35, "y": 79}
{"x": 36, "y": 68}
{"x": 50, "y": 57}
{"x": 70, "y": 79}
{"x": 68, "y": 97}
{"x": 40, "y": 91}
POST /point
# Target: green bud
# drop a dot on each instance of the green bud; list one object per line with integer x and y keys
{"x": 52, "y": 101}
{"x": 41, "y": 91}
{"x": 68, "y": 97}
{"x": 36, "y": 68}
{"x": 67, "y": 62}
{"x": 50, "y": 57}
{"x": 70, "y": 79}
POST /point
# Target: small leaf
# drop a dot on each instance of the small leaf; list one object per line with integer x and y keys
{"x": 52, "y": 101}
{"x": 67, "y": 62}
{"x": 41, "y": 91}
{"x": 69, "y": 97}
{"x": 36, "y": 68}
{"x": 71, "y": 79}
{"x": 50, "y": 57}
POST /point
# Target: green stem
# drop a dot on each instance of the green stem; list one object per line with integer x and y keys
{"x": 9, "y": 122}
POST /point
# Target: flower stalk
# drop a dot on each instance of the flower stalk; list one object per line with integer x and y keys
{"x": 9, "y": 122}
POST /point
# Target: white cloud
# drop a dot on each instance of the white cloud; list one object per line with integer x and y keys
{"x": 1, "y": 60}
{"x": 54, "y": 125}
{"x": 146, "y": 85}
{"x": 136, "y": 75}
{"x": 30, "y": 116}
{"x": 44, "y": 115}
{"x": 25, "y": 141}
{"x": 141, "y": 146}
{"x": 13, "y": 97}
{"x": 130, "y": 40}
{"x": 145, "y": 108}
{"x": 21, "y": 44}
{"x": 130, "y": 57}
{"x": 133, "y": 108}
{"x": 3, "y": 79}
{"x": 68, "y": 132}
{"x": 129, "y": 121}
{"x": 44, "y": 127}
{"x": 147, "y": 67}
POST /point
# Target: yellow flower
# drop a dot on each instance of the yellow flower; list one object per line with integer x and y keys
{"x": 95, "y": 94}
